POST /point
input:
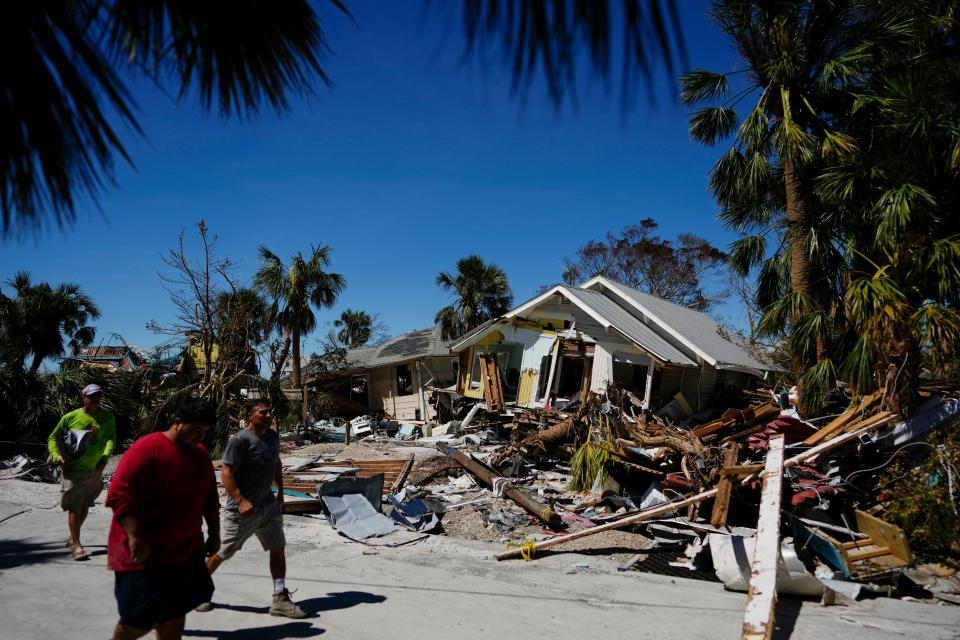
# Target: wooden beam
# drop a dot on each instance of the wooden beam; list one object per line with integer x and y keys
{"x": 759, "y": 615}
{"x": 402, "y": 478}
{"x": 823, "y": 447}
{"x": 837, "y": 424}
{"x": 646, "y": 514}
{"x": 740, "y": 469}
{"x": 721, "y": 503}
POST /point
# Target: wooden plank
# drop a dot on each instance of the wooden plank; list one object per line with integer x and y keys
{"x": 885, "y": 534}
{"x": 863, "y": 554}
{"x": 845, "y": 418}
{"x": 823, "y": 447}
{"x": 492, "y": 382}
{"x": 759, "y": 615}
{"x": 721, "y": 503}
{"x": 402, "y": 478}
{"x": 740, "y": 469}
{"x": 646, "y": 514}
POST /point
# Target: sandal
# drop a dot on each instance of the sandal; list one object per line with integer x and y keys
{"x": 79, "y": 553}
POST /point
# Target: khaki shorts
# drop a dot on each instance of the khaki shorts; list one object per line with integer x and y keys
{"x": 79, "y": 488}
{"x": 266, "y": 523}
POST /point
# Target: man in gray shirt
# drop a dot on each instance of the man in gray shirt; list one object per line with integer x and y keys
{"x": 251, "y": 464}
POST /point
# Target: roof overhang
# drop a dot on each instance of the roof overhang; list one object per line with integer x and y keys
{"x": 615, "y": 288}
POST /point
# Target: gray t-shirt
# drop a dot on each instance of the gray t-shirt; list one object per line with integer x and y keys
{"x": 253, "y": 461}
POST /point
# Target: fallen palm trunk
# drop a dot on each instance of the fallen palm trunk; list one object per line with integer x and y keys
{"x": 502, "y": 485}
{"x": 641, "y": 516}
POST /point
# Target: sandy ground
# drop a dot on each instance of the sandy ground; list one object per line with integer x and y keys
{"x": 441, "y": 587}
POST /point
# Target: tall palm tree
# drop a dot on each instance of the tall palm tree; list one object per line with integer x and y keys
{"x": 72, "y": 56}
{"x": 895, "y": 198}
{"x": 43, "y": 322}
{"x": 356, "y": 328}
{"x": 482, "y": 292}
{"x": 294, "y": 291}
{"x": 794, "y": 57}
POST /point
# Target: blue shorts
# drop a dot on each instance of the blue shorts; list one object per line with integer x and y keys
{"x": 154, "y": 595}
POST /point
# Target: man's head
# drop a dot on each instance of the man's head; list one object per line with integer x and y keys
{"x": 91, "y": 396}
{"x": 192, "y": 419}
{"x": 259, "y": 416}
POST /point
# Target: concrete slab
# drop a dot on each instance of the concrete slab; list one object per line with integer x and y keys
{"x": 441, "y": 587}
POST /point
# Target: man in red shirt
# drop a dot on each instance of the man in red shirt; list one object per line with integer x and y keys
{"x": 163, "y": 489}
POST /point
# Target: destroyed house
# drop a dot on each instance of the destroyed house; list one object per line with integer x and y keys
{"x": 112, "y": 357}
{"x": 394, "y": 377}
{"x": 571, "y": 340}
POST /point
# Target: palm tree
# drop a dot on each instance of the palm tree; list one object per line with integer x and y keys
{"x": 356, "y": 328}
{"x": 482, "y": 292}
{"x": 293, "y": 293}
{"x": 795, "y": 56}
{"x": 72, "y": 56}
{"x": 895, "y": 197}
{"x": 43, "y": 322}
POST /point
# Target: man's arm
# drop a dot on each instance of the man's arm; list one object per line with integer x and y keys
{"x": 211, "y": 515}
{"x": 139, "y": 548}
{"x": 244, "y": 506}
{"x": 108, "y": 430}
{"x": 278, "y": 479}
{"x": 52, "y": 446}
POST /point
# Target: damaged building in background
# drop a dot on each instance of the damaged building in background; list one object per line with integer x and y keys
{"x": 394, "y": 378}
{"x": 569, "y": 341}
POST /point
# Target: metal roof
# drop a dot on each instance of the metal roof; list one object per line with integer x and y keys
{"x": 414, "y": 345}
{"x": 693, "y": 328}
{"x": 629, "y": 325}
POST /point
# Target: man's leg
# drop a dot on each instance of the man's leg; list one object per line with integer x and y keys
{"x": 282, "y": 604}
{"x": 171, "y": 629}
{"x": 126, "y": 632}
{"x": 278, "y": 564}
{"x": 75, "y": 520}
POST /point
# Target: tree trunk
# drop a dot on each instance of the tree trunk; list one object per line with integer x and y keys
{"x": 799, "y": 259}
{"x": 284, "y": 354}
{"x": 295, "y": 372}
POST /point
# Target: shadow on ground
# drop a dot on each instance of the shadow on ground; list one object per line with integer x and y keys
{"x": 313, "y": 606}
{"x": 341, "y": 600}
{"x": 277, "y": 632}
{"x": 788, "y": 610}
{"x": 17, "y": 553}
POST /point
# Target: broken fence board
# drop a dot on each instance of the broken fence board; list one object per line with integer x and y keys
{"x": 758, "y": 617}
{"x": 724, "y": 488}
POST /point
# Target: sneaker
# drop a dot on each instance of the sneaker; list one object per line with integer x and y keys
{"x": 203, "y": 607}
{"x": 284, "y": 606}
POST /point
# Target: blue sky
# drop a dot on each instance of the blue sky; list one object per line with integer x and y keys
{"x": 408, "y": 162}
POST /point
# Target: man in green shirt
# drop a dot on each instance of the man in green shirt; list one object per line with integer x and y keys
{"x": 82, "y": 457}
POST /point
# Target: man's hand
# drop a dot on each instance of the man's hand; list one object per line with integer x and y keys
{"x": 245, "y": 508}
{"x": 213, "y": 543}
{"x": 280, "y": 499}
{"x": 101, "y": 466}
{"x": 139, "y": 548}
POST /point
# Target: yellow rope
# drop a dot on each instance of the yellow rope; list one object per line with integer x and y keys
{"x": 527, "y": 548}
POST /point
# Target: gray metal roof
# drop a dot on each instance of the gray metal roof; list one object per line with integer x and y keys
{"x": 422, "y": 343}
{"x": 629, "y": 325}
{"x": 694, "y": 327}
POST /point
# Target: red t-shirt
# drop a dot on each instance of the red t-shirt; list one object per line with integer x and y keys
{"x": 169, "y": 489}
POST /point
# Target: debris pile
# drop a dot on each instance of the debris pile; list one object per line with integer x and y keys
{"x": 755, "y": 496}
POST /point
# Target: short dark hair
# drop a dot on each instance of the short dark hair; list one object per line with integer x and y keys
{"x": 195, "y": 410}
{"x": 254, "y": 403}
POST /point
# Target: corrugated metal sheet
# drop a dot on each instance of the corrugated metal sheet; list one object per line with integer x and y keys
{"x": 630, "y": 326}
{"x": 695, "y": 327}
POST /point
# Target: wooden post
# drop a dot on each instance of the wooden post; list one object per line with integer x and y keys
{"x": 758, "y": 617}
{"x": 721, "y": 503}
{"x": 303, "y": 399}
{"x": 553, "y": 368}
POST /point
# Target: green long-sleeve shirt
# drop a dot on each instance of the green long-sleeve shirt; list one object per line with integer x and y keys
{"x": 104, "y": 427}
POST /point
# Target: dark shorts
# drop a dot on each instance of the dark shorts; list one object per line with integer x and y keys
{"x": 154, "y": 595}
